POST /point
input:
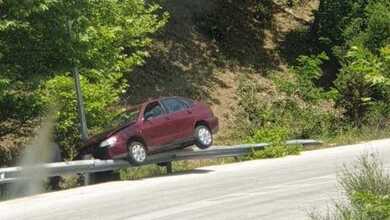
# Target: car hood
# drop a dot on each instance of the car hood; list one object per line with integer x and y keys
{"x": 106, "y": 134}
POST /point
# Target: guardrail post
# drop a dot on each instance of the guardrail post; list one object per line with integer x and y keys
{"x": 169, "y": 167}
{"x": 87, "y": 179}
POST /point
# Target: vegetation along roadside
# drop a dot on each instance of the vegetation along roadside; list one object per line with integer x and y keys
{"x": 270, "y": 69}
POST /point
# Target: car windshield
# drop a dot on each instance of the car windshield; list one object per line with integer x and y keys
{"x": 124, "y": 118}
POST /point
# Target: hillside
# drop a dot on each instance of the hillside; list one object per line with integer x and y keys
{"x": 271, "y": 69}
{"x": 185, "y": 60}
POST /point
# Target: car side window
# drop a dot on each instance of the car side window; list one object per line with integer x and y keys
{"x": 153, "y": 110}
{"x": 174, "y": 105}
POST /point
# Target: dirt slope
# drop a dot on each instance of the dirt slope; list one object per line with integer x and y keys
{"x": 184, "y": 61}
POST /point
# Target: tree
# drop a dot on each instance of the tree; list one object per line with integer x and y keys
{"x": 340, "y": 24}
{"x": 334, "y": 18}
{"x": 37, "y": 52}
{"x": 110, "y": 35}
{"x": 361, "y": 83}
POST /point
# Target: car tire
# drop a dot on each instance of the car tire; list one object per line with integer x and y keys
{"x": 203, "y": 137}
{"x": 137, "y": 152}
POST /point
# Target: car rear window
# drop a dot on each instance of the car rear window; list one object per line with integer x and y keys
{"x": 174, "y": 105}
{"x": 189, "y": 102}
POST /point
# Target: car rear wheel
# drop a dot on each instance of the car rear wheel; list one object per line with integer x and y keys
{"x": 203, "y": 136}
{"x": 137, "y": 153}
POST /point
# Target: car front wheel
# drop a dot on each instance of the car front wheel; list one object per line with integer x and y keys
{"x": 137, "y": 153}
{"x": 203, "y": 136}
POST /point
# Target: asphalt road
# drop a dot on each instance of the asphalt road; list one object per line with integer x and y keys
{"x": 285, "y": 188}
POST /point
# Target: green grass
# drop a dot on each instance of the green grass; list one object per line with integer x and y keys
{"x": 354, "y": 135}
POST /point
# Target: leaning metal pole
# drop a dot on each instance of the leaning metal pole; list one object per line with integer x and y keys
{"x": 80, "y": 105}
{"x": 79, "y": 94}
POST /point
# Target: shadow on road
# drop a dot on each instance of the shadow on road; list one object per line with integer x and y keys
{"x": 197, "y": 171}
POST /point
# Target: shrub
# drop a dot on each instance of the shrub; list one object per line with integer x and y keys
{"x": 377, "y": 34}
{"x": 268, "y": 135}
{"x": 366, "y": 22}
{"x": 276, "y": 137}
{"x": 261, "y": 109}
{"x": 361, "y": 83}
{"x": 336, "y": 15}
{"x": 16, "y": 103}
{"x": 99, "y": 97}
{"x": 8, "y": 155}
{"x": 356, "y": 51}
{"x": 275, "y": 151}
{"x": 367, "y": 188}
{"x": 267, "y": 116}
{"x": 305, "y": 76}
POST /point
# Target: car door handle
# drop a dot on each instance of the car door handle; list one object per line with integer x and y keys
{"x": 167, "y": 118}
{"x": 189, "y": 111}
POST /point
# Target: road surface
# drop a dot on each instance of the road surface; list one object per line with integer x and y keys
{"x": 285, "y": 188}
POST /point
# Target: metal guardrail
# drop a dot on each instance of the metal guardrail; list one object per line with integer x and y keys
{"x": 12, "y": 174}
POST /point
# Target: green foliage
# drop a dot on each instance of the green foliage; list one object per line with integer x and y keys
{"x": 8, "y": 155}
{"x": 4, "y": 83}
{"x": 306, "y": 74}
{"x": 42, "y": 40}
{"x": 278, "y": 116}
{"x": 348, "y": 22}
{"x": 291, "y": 3}
{"x": 275, "y": 136}
{"x": 99, "y": 96}
{"x": 309, "y": 67}
{"x": 362, "y": 36}
{"x": 362, "y": 82}
{"x": 366, "y": 176}
{"x": 311, "y": 116}
{"x": 372, "y": 206}
{"x": 334, "y": 16}
{"x": 367, "y": 189}
{"x": 268, "y": 135}
{"x": 50, "y": 36}
{"x": 275, "y": 151}
{"x": 377, "y": 34}
{"x": 17, "y": 105}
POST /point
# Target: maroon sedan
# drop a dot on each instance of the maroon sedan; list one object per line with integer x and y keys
{"x": 155, "y": 126}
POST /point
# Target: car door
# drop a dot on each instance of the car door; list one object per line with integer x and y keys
{"x": 181, "y": 118}
{"x": 154, "y": 127}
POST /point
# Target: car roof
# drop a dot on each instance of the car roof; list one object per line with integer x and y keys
{"x": 163, "y": 97}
